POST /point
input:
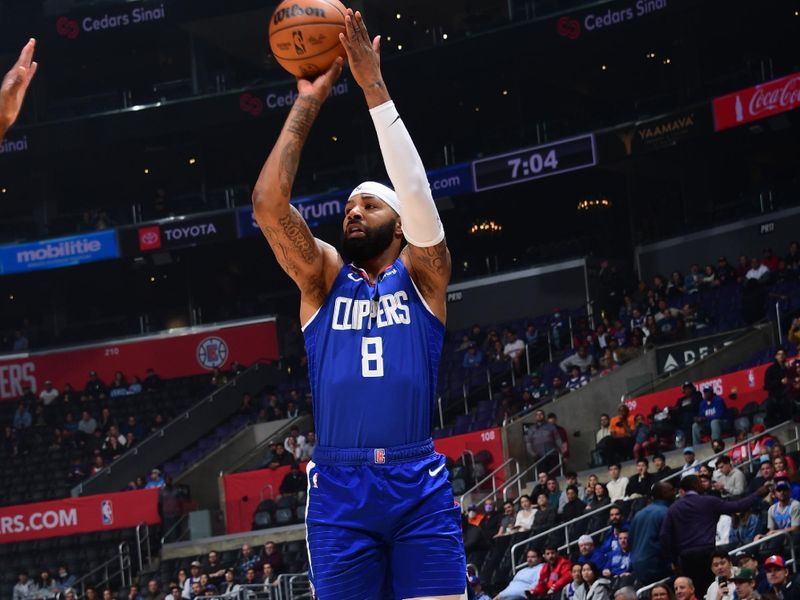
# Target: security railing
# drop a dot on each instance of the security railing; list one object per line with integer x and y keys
{"x": 771, "y": 539}
{"x": 492, "y": 476}
{"x": 518, "y": 478}
{"x": 115, "y": 573}
{"x": 288, "y": 586}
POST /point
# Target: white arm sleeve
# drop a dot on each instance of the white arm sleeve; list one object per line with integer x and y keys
{"x": 421, "y": 224}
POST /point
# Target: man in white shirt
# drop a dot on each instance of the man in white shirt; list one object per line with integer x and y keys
{"x": 690, "y": 465}
{"x": 616, "y": 484}
{"x": 722, "y": 568}
{"x": 757, "y": 270}
{"x": 727, "y": 479}
{"x": 513, "y": 350}
{"x": 49, "y": 394}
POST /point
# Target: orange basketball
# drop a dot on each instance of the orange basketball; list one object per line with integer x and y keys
{"x": 304, "y": 35}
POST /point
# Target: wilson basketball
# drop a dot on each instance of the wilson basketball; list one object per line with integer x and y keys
{"x": 304, "y": 35}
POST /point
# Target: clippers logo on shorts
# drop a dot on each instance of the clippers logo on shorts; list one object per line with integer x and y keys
{"x": 107, "y": 512}
{"x": 212, "y": 352}
{"x": 149, "y": 238}
{"x": 380, "y": 456}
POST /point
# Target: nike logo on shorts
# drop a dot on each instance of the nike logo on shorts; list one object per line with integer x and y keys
{"x": 435, "y": 472}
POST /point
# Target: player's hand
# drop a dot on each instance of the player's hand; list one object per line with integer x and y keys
{"x": 320, "y": 88}
{"x": 15, "y": 84}
{"x": 363, "y": 55}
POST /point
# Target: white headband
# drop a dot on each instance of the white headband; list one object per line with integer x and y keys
{"x": 373, "y": 188}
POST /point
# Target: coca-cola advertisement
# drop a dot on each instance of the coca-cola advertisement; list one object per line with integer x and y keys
{"x": 758, "y": 102}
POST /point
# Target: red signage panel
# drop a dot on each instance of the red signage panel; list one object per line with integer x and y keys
{"x": 758, "y": 102}
{"x": 78, "y": 515}
{"x": 192, "y": 351}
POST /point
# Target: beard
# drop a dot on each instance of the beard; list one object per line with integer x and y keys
{"x": 375, "y": 241}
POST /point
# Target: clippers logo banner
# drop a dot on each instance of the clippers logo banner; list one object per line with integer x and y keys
{"x": 758, "y": 102}
{"x": 192, "y": 351}
{"x": 78, "y": 515}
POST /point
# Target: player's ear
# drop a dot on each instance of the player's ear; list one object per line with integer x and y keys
{"x": 398, "y": 228}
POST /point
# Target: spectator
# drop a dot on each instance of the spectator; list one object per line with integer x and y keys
{"x": 558, "y": 388}
{"x": 95, "y": 388}
{"x": 290, "y": 444}
{"x": 552, "y": 492}
{"x": 617, "y": 524}
{"x": 570, "y": 478}
{"x": 587, "y": 551}
{"x": 545, "y": 516}
{"x": 64, "y": 579}
{"x": 725, "y": 274}
{"x": 642, "y": 440}
{"x": 524, "y": 580}
{"x": 600, "y": 497}
{"x": 595, "y": 586}
{"x": 307, "y": 448}
{"x": 690, "y": 465}
{"x": 513, "y": 350}
{"x": 688, "y": 533}
{"x": 568, "y": 593}
{"x": 686, "y": 409}
{"x": 576, "y": 379}
{"x": 620, "y": 446}
{"x": 45, "y": 587}
{"x": 556, "y": 573}
{"x": 156, "y": 480}
{"x": 135, "y": 387}
{"x": 49, "y": 394}
{"x": 153, "y": 591}
{"x": 477, "y": 588}
{"x": 507, "y": 521}
{"x": 280, "y": 457}
{"x": 662, "y": 591}
{"x": 617, "y": 485}
{"x": 22, "y": 418}
{"x": 272, "y": 555}
{"x": 784, "y": 515}
{"x": 472, "y": 357}
{"x": 640, "y": 485}
{"x": 588, "y": 492}
{"x": 727, "y": 479}
{"x": 542, "y": 438}
{"x": 214, "y": 569}
{"x": 170, "y": 508}
{"x": 268, "y": 576}
{"x": 228, "y": 586}
{"x": 722, "y": 569}
{"x": 746, "y": 559}
{"x": 684, "y": 589}
{"x": 191, "y": 586}
{"x": 647, "y": 557}
{"x": 132, "y": 426}
{"x": 25, "y": 588}
{"x": 744, "y": 528}
{"x": 780, "y": 584}
{"x": 745, "y": 582}
{"x": 294, "y": 481}
{"x": 152, "y": 381}
{"x": 581, "y": 359}
{"x": 618, "y": 562}
{"x": 525, "y": 514}
{"x": 757, "y": 271}
{"x": 574, "y": 507}
{"x": 562, "y": 433}
{"x": 710, "y": 414}
{"x": 775, "y": 381}
{"x": 87, "y": 425}
{"x": 119, "y": 387}
{"x": 694, "y": 279}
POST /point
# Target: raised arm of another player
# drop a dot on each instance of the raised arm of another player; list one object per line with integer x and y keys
{"x": 15, "y": 84}
{"x": 426, "y": 255}
{"x": 310, "y": 262}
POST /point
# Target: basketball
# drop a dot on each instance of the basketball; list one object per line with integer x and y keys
{"x": 304, "y": 35}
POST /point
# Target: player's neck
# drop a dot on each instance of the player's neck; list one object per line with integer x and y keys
{"x": 373, "y": 267}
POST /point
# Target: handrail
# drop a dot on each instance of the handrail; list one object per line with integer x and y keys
{"x": 177, "y": 524}
{"x": 518, "y": 477}
{"x": 145, "y": 537}
{"x": 556, "y": 528}
{"x": 123, "y": 558}
{"x": 746, "y": 443}
{"x": 769, "y": 538}
{"x": 650, "y": 586}
{"x": 490, "y": 475}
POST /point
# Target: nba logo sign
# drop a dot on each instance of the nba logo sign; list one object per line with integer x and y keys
{"x": 212, "y": 352}
{"x": 380, "y": 456}
{"x": 107, "y": 512}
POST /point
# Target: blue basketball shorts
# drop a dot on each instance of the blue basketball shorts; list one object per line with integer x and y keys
{"x": 382, "y": 524}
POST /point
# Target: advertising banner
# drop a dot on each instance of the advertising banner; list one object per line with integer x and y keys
{"x": 177, "y": 353}
{"x": 677, "y": 356}
{"x": 244, "y": 491}
{"x": 78, "y": 515}
{"x": 58, "y": 252}
{"x": 179, "y": 232}
{"x": 757, "y": 102}
{"x": 747, "y": 385}
{"x": 78, "y": 25}
{"x": 321, "y": 209}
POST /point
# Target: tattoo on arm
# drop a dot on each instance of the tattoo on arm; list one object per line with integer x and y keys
{"x": 297, "y": 232}
{"x": 431, "y": 265}
{"x": 299, "y": 125}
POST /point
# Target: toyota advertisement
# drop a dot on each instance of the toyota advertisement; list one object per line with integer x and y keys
{"x": 177, "y": 353}
{"x": 180, "y": 232}
{"x": 78, "y": 515}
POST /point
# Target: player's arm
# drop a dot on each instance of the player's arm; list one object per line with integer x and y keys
{"x": 311, "y": 263}
{"x": 14, "y": 85}
{"x": 426, "y": 254}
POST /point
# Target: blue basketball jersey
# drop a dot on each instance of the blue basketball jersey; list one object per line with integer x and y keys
{"x": 373, "y": 355}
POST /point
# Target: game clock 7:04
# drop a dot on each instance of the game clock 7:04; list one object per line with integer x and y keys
{"x": 534, "y": 163}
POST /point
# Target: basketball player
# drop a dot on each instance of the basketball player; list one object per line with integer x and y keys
{"x": 15, "y": 84}
{"x": 381, "y": 521}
